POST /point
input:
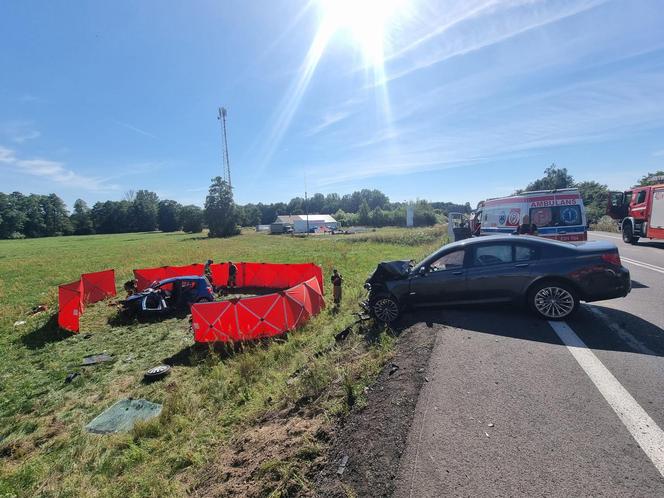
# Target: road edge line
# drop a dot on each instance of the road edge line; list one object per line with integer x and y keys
{"x": 647, "y": 266}
{"x": 641, "y": 426}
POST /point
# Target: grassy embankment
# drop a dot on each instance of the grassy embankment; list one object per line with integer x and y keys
{"x": 209, "y": 399}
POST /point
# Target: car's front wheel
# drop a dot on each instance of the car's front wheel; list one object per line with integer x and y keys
{"x": 553, "y": 300}
{"x": 385, "y": 308}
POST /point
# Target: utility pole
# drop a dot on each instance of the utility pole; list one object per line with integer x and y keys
{"x": 226, "y": 163}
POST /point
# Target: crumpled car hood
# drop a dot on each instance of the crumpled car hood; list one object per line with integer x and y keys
{"x": 390, "y": 270}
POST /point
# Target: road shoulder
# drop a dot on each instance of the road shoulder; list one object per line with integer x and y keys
{"x": 372, "y": 438}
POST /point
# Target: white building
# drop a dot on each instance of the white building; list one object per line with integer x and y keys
{"x": 317, "y": 222}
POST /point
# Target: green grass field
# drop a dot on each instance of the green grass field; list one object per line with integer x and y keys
{"x": 208, "y": 399}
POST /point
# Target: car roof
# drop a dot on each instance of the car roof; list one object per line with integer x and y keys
{"x": 506, "y": 238}
{"x": 182, "y": 277}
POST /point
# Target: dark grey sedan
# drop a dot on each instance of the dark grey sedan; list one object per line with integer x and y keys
{"x": 550, "y": 276}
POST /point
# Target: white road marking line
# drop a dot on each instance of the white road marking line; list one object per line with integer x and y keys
{"x": 594, "y": 234}
{"x": 631, "y": 341}
{"x": 648, "y": 266}
{"x": 643, "y": 428}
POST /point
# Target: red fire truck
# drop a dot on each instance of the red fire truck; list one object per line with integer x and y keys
{"x": 640, "y": 212}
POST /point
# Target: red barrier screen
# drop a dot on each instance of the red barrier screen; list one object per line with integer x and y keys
{"x": 256, "y": 317}
{"x": 267, "y": 275}
{"x": 254, "y": 275}
{"x": 147, "y": 276}
{"x": 98, "y": 286}
{"x": 69, "y": 305}
{"x": 73, "y": 297}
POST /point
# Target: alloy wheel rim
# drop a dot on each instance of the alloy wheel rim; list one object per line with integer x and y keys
{"x": 554, "y": 302}
{"x": 386, "y": 310}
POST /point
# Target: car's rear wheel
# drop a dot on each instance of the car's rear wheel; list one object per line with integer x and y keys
{"x": 553, "y": 300}
{"x": 385, "y": 308}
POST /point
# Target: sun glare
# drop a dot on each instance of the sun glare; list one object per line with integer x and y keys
{"x": 366, "y": 24}
{"x": 365, "y": 21}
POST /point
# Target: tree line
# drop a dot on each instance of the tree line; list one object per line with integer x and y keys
{"x": 36, "y": 215}
{"x": 362, "y": 207}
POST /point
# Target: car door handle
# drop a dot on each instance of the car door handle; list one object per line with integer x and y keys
{"x": 521, "y": 265}
{"x": 457, "y": 273}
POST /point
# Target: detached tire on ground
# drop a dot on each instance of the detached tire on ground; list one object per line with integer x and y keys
{"x": 385, "y": 308}
{"x": 156, "y": 373}
{"x": 553, "y": 300}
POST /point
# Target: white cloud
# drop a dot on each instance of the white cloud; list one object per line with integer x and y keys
{"x": 6, "y": 155}
{"x": 29, "y": 98}
{"x": 467, "y": 32}
{"x": 135, "y": 128}
{"x": 52, "y": 171}
{"x": 592, "y": 111}
{"x": 329, "y": 119}
{"x": 19, "y": 131}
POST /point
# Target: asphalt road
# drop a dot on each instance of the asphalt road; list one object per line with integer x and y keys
{"x": 519, "y": 406}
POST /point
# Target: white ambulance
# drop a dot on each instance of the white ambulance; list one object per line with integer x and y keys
{"x": 558, "y": 214}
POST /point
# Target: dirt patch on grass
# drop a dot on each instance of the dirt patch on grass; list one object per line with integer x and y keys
{"x": 373, "y": 437}
{"x": 275, "y": 458}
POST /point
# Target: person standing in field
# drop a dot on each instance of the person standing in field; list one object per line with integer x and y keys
{"x": 337, "y": 280}
{"x": 232, "y": 274}
{"x": 208, "y": 271}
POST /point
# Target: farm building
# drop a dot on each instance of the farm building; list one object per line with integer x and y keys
{"x": 298, "y": 222}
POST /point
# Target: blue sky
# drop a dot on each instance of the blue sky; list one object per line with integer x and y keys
{"x": 443, "y": 100}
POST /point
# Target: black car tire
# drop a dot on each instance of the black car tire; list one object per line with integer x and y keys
{"x": 553, "y": 300}
{"x": 628, "y": 234}
{"x": 156, "y": 373}
{"x": 385, "y": 308}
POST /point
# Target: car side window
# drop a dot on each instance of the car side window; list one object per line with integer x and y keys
{"x": 525, "y": 253}
{"x": 450, "y": 261}
{"x": 640, "y": 197}
{"x": 494, "y": 254}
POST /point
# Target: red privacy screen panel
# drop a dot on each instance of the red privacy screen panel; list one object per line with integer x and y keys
{"x": 256, "y": 275}
{"x": 146, "y": 276}
{"x": 73, "y": 297}
{"x": 98, "y": 286}
{"x": 69, "y": 305}
{"x": 256, "y": 317}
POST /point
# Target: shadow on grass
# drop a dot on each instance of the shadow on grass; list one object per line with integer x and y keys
{"x": 199, "y": 352}
{"x": 46, "y": 334}
{"x": 192, "y": 239}
{"x": 123, "y": 318}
